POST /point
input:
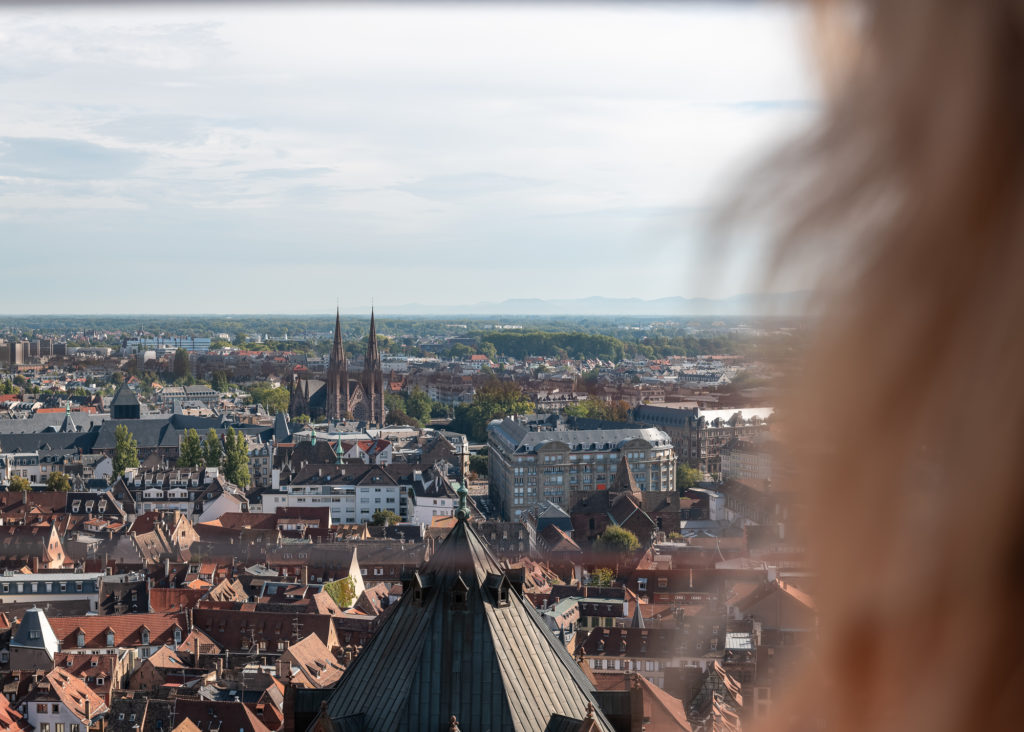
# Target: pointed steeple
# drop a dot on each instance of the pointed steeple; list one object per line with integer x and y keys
{"x": 337, "y": 375}
{"x": 372, "y": 354}
{"x": 638, "y": 618}
{"x": 373, "y": 378}
{"x": 624, "y": 481}
{"x": 68, "y": 425}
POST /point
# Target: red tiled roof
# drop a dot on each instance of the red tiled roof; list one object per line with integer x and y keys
{"x": 208, "y": 714}
{"x": 74, "y": 693}
{"x": 127, "y": 629}
{"x": 174, "y": 599}
{"x": 89, "y": 667}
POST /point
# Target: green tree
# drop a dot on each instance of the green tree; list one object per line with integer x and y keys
{"x": 190, "y": 450}
{"x": 18, "y": 483}
{"x": 687, "y": 477}
{"x": 395, "y": 404}
{"x": 58, "y": 482}
{"x": 180, "y": 368}
{"x": 617, "y": 540}
{"x": 273, "y": 398}
{"x": 478, "y": 464}
{"x": 384, "y": 517}
{"x": 602, "y": 577}
{"x": 212, "y": 450}
{"x": 494, "y": 399}
{"x": 489, "y": 350}
{"x": 236, "y": 458}
{"x": 219, "y": 382}
{"x": 417, "y": 405}
{"x": 616, "y": 411}
{"x": 126, "y": 450}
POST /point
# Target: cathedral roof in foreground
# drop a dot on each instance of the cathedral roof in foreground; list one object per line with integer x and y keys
{"x": 462, "y": 643}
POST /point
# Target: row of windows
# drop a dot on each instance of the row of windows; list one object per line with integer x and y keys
{"x": 59, "y": 726}
{"x": 34, "y": 586}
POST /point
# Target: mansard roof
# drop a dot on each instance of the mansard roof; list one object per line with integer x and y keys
{"x": 462, "y": 642}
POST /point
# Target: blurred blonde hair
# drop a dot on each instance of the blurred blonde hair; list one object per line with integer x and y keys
{"x": 908, "y": 420}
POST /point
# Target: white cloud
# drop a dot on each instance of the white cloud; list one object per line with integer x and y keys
{"x": 473, "y": 135}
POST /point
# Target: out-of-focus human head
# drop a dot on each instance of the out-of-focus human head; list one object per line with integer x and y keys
{"x": 908, "y": 418}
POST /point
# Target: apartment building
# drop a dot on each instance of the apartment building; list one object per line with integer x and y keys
{"x": 699, "y": 435}
{"x": 535, "y": 459}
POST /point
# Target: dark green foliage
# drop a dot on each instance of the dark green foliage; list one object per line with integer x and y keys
{"x": 617, "y": 540}
{"x": 219, "y": 381}
{"x": 180, "y": 369}
{"x": 617, "y": 411}
{"x": 190, "y": 451}
{"x": 478, "y": 464}
{"x": 384, "y": 517}
{"x": 273, "y": 398}
{"x": 212, "y": 450}
{"x": 418, "y": 405}
{"x": 18, "y": 483}
{"x": 126, "y": 450}
{"x": 493, "y": 400}
{"x": 687, "y": 477}
{"x": 58, "y": 482}
{"x": 236, "y": 458}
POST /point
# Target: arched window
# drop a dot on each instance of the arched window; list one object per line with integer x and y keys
{"x": 110, "y": 638}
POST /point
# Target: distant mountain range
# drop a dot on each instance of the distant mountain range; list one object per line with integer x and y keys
{"x": 779, "y": 304}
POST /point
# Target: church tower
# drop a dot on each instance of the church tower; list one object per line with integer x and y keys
{"x": 337, "y": 376}
{"x": 373, "y": 378}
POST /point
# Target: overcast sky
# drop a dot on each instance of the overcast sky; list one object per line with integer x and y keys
{"x": 266, "y": 159}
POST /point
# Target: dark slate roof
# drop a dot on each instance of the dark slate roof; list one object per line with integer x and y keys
{"x": 165, "y": 431}
{"x": 34, "y": 631}
{"x": 124, "y": 397}
{"x": 282, "y": 433}
{"x": 68, "y": 442}
{"x": 493, "y": 665}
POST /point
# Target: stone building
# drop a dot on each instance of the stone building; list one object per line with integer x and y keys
{"x": 534, "y": 460}
{"x": 699, "y": 435}
{"x": 339, "y": 397}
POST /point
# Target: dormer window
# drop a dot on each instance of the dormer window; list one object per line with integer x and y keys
{"x": 177, "y": 636}
{"x": 81, "y": 639}
{"x": 460, "y": 593}
{"x": 110, "y": 638}
{"x": 145, "y": 636}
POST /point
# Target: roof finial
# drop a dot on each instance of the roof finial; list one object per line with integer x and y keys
{"x": 590, "y": 710}
{"x": 462, "y": 512}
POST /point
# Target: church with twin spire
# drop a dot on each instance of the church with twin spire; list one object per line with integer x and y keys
{"x": 337, "y": 397}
